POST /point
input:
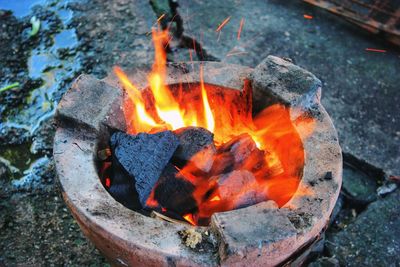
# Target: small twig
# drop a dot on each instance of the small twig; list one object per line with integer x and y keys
{"x": 78, "y": 146}
{"x": 155, "y": 214}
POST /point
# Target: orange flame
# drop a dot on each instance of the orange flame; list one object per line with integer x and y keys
{"x": 189, "y": 218}
{"x": 223, "y": 23}
{"x": 207, "y": 110}
{"x": 167, "y": 108}
{"x": 215, "y": 198}
{"x": 168, "y": 113}
{"x": 136, "y": 97}
{"x": 240, "y": 28}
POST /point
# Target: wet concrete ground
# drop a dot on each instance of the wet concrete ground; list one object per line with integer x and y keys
{"x": 361, "y": 92}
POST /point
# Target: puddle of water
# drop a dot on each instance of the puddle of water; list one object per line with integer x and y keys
{"x": 33, "y": 176}
{"x": 20, "y": 8}
{"x": 55, "y": 65}
{"x": 39, "y": 62}
{"x": 65, "y": 39}
{"x": 19, "y": 156}
{"x": 65, "y": 15}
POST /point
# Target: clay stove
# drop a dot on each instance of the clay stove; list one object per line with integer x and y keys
{"x": 259, "y": 235}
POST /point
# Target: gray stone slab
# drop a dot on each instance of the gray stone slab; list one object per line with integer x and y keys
{"x": 266, "y": 230}
{"x": 373, "y": 239}
{"x": 90, "y": 103}
{"x": 284, "y": 81}
{"x": 360, "y": 88}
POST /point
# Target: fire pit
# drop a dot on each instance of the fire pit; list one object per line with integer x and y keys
{"x": 274, "y": 230}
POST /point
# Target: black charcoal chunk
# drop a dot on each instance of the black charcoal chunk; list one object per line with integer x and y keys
{"x": 175, "y": 193}
{"x": 122, "y": 188}
{"x": 196, "y": 145}
{"x": 144, "y": 156}
{"x": 125, "y": 194}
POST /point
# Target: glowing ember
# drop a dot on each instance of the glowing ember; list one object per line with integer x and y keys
{"x": 375, "y": 50}
{"x": 108, "y": 182}
{"x": 266, "y": 152}
{"x": 240, "y": 28}
{"x": 308, "y": 16}
{"x": 161, "y": 17}
{"x": 216, "y": 198}
{"x": 189, "y": 218}
{"x": 223, "y": 23}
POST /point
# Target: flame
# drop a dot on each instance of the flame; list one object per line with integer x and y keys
{"x": 215, "y": 198}
{"x": 273, "y": 166}
{"x": 136, "y": 96}
{"x": 167, "y": 108}
{"x": 207, "y": 110}
{"x": 189, "y": 218}
{"x": 168, "y": 113}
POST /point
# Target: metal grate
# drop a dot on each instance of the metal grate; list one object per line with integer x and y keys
{"x": 376, "y": 16}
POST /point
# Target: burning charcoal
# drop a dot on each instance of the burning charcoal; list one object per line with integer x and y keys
{"x": 240, "y": 146}
{"x": 239, "y": 188}
{"x": 173, "y": 192}
{"x": 245, "y": 152}
{"x": 223, "y": 163}
{"x": 144, "y": 156}
{"x": 233, "y": 183}
{"x": 249, "y": 198}
{"x": 196, "y": 145}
